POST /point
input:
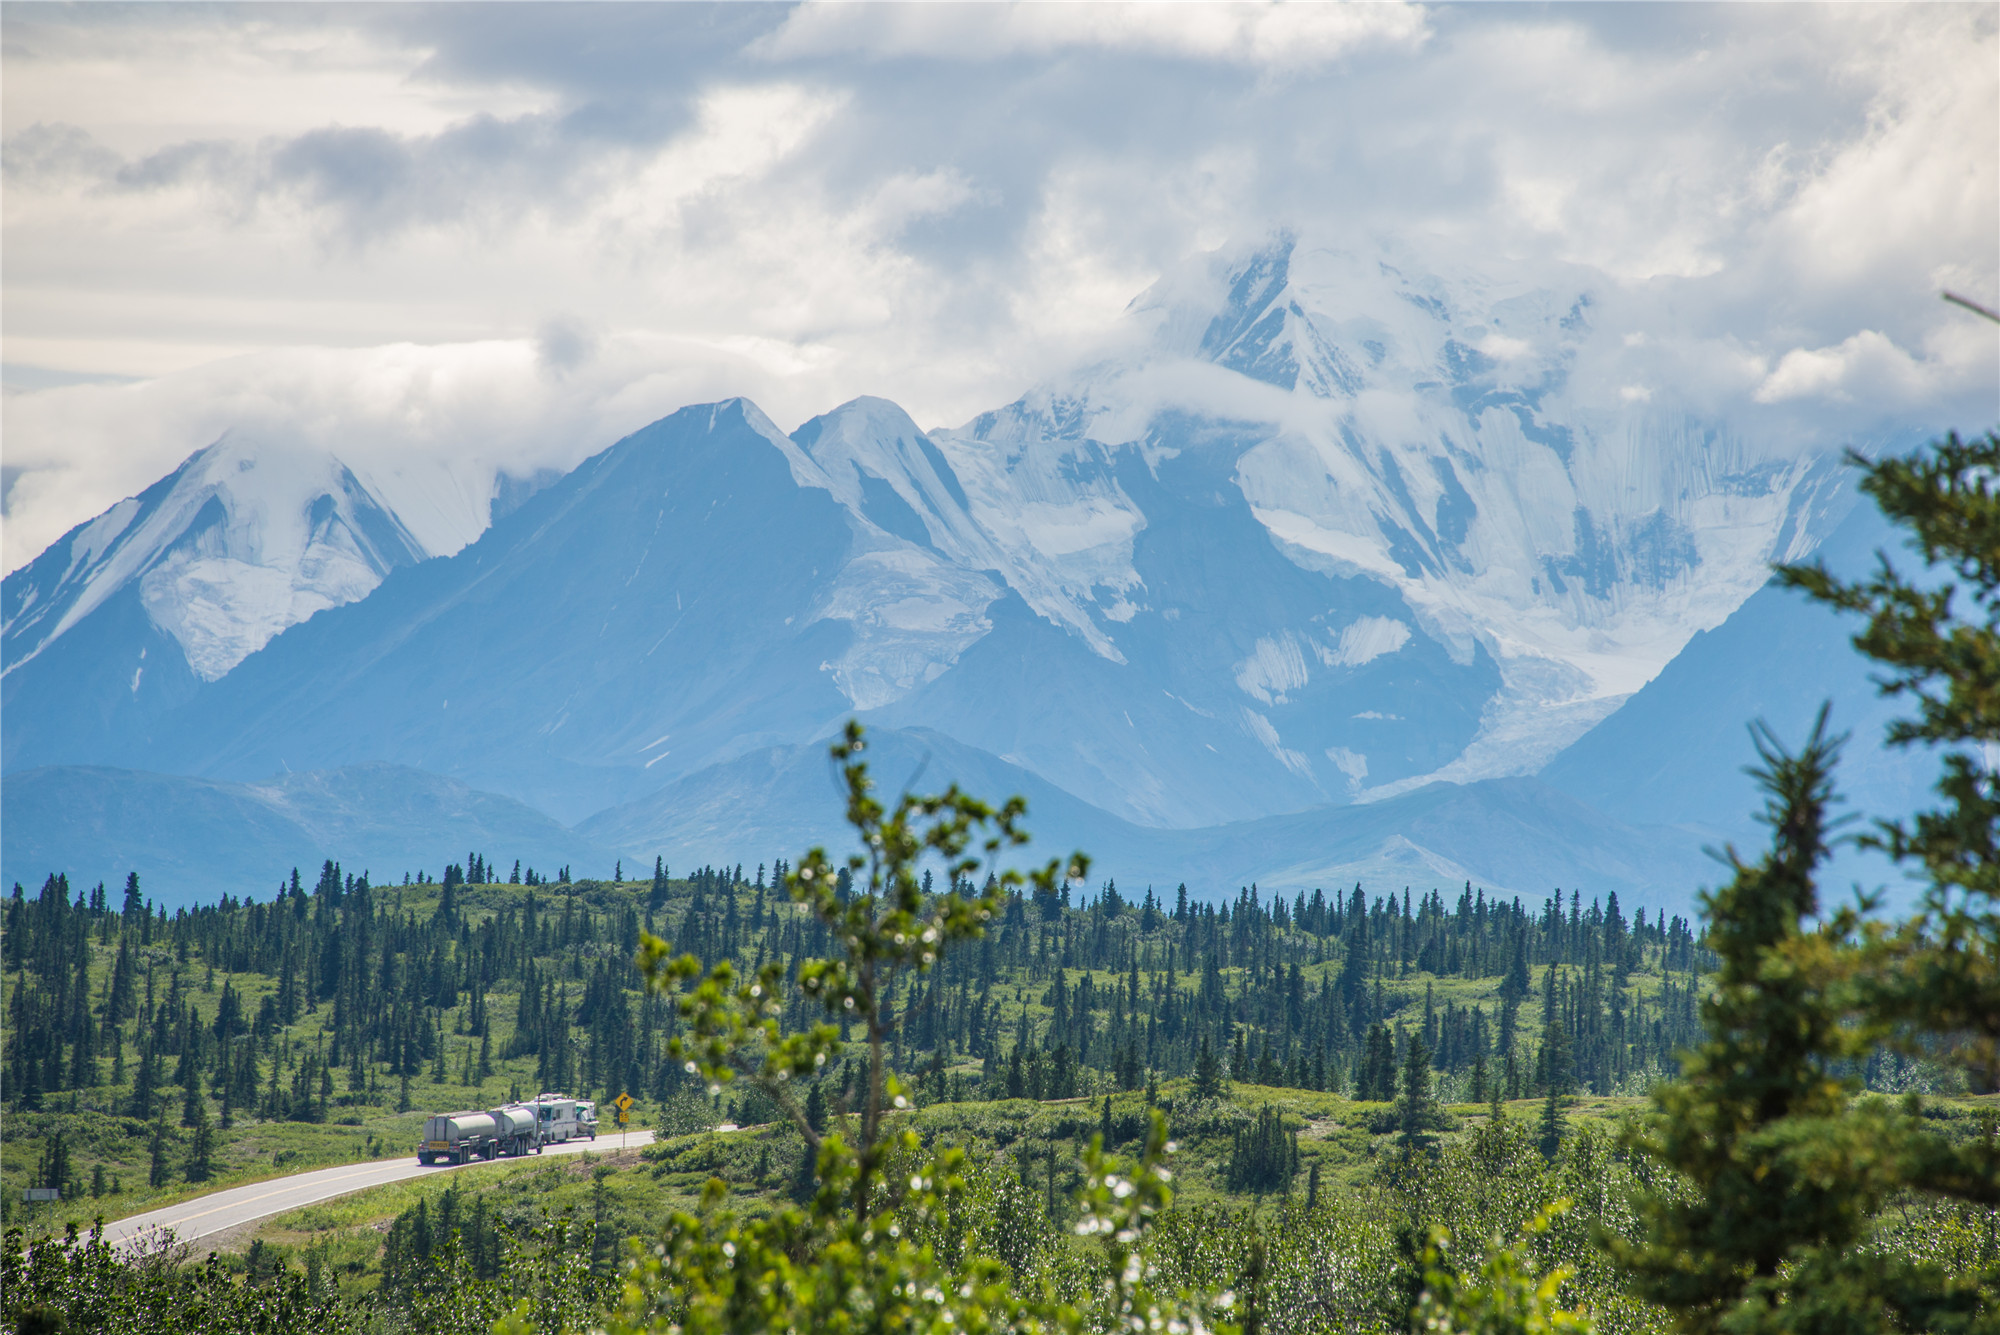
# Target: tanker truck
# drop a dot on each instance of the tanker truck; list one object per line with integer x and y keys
{"x": 461, "y": 1137}
{"x": 518, "y": 1129}
{"x": 458, "y": 1138}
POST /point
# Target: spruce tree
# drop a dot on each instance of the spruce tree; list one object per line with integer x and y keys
{"x": 1789, "y": 1172}
{"x": 1937, "y": 979}
{"x": 1549, "y": 1137}
{"x": 156, "y": 1150}
{"x": 1785, "y": 1173}
{"x": 55, "y": 1166}
{"x": 1208, "y": 1081}
{"x": 1263, "y": 1155}
{"x": 1416, "y": 1110}
{"x": 144, "y": 1093}
{"x": 201, "y": 1145}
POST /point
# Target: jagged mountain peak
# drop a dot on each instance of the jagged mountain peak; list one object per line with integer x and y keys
{"x": 1336, "y": 322}
{"x": 1448, "y": 431}
{"x": 236, "y": 544}
{"x": 881, "y": 465}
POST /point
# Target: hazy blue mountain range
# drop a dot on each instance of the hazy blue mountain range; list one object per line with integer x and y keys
{"x": 195, "y": 838}
{"x": 1515, "y": 834}
{"x": 1336, "y": 532}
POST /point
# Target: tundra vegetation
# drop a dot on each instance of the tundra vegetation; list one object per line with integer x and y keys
{"x": 975, "y": 1098}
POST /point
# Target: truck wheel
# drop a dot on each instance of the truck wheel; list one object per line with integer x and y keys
{"x": 424, "y": 1159}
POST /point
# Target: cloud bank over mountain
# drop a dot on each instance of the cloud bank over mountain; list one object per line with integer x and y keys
{"x": 473, "y": 244}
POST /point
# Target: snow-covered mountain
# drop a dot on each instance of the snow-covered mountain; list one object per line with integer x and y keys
{"x": 225, "y": 552}
{"x": 125, "y": 617}
{"x": 1336, "y": 526}
{"x": 1459, "y": 440}
{"x": 1679, "y": 749}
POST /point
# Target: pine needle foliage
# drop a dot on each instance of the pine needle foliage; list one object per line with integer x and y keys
{"x": 1791, "y": 1174}
{"x": 1937, "y": 978}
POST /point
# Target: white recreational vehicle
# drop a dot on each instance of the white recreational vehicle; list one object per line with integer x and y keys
{"x": 564, "y": 1118}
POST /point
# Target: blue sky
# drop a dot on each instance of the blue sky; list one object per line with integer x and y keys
{"x": 520, "y": 230}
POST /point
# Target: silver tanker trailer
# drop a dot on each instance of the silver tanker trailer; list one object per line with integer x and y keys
{"x": 519, "y": 1129}
{"x": 461, "y": 1137}
{"x": 458, "y": 1138}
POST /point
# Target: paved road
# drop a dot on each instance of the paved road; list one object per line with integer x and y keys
{"x": 222, "y": 1210}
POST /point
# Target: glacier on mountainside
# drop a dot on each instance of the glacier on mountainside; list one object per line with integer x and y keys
{"x": 914, "y": 592}
{"x": 1451, "y": 435}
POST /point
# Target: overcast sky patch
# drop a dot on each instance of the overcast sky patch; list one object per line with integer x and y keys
{"x": 311, "y": 219}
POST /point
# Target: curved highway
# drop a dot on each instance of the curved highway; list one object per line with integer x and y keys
{"x": 220, "y": 1211}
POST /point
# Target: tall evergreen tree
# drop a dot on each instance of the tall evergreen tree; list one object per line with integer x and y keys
{"x": 201, "y": 1145}
{"x": 1208, "y": 1080}
{"x": 1788, "y": 1170}
{"x": 1785, "y": 1174}
{"x": 156, "y": 1149}
{"x": 1417, "y": 1114}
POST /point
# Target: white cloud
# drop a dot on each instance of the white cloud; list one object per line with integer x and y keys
{"x": 1502, "y": 348}
{"x": 431, "y": 427}
{"x": 149, "y": 77}
{"x": 1257, "y": 34}
{"x": 1865, "y": 363}
{"x": 513, "y": 232}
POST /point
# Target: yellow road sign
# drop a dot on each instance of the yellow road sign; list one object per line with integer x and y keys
{"x": 622, "y": 1102}
{"x": 623, "y": 1117}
